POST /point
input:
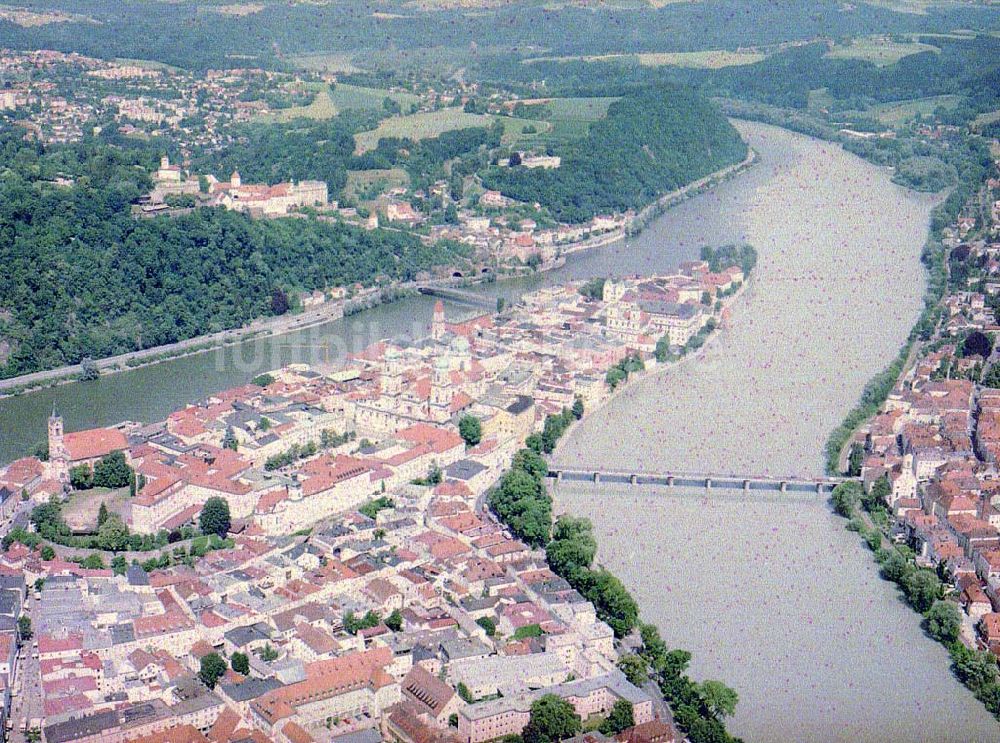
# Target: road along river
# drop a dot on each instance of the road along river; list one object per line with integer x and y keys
{"x": 770, "y": 593}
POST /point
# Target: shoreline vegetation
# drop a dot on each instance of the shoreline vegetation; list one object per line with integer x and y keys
{"x": 270, "y": 327}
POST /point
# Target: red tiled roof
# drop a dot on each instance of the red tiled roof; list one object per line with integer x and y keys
{"x": 93, "y": 443}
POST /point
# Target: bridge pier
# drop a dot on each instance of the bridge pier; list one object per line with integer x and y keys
{"x": 597, "y": 477}
{"x": 819, "y": 488}
{"x": 708, "y": 483}
{"x": 670, "y": 481}
{"x": 784, "y": 487}
{"x": 746, "y": 486}
{"x": 633, "y": 480}
{"x": 559, "y": 476}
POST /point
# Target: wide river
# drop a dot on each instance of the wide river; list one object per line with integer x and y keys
{"x": 771, "y": 595}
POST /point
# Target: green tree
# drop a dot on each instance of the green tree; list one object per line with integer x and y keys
{"x": 213, "y": 667}
{"x": 240, "y": 663}
{"x": 464, "y": 693}
{"x": 214, "y": 518}
{"x": 534, "y": 443}
{"x": 113, "y": 534}
{"x": 48, "y": 553}
{"x": 93, "y": 561}
{"x": 620, "y": 718}
{"x": 896, "y": 567}
{"x": 24, "y": 627}
{"x": 578, "y": 407}
{"x": 855, "y": 460}
{"x": 719, "y": 698}
{"x": 614, "y": 377}
{"x": 471, "y": 429}
{"x": 846, "y": 498}
{"x": 102, "y": 514}
{"x": 229, "y": 440}
{"x": 974, "y": 668}
{"x": 268, "y": 654}
{"x": 488, "y": 624}
{"x": 119, "y": 565}
{"x": 943, "y": 622}
{"x": 551, "y": 719}
{"x": 531, "y": 462}
{"x": 81, "y": 477}
{"x": 635, "y": 669}
{"x": 112, "y": 471}
{"x": 394, "y": 621}
{"x": 878, "y": 495}
{"x": 922, "y": 589}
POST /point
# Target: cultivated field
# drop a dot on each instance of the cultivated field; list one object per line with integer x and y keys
{"x": 709, "y": 59}
{"x": 896, "y": 113}
{"x": 879, "y": 50}
{"x": 321, "y": 108}
{"x": 345, "y": 96}
{"x": 328, "y": 104}
{"x": 420, "y": 126}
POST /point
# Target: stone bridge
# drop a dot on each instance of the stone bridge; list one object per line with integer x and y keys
{"x": 707, "y": 480}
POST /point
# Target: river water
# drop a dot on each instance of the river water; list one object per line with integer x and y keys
{"x": 771, "y": 595}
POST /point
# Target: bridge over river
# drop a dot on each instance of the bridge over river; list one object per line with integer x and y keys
{"x": 707, "y": 480}
{"x": 458, "y": 296}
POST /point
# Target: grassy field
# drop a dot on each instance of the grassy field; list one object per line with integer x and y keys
{"x": 420, "y": 126}
{"x": 897, "y": 113}
{"x": 81, "y": 510}
{"x": 148, "y": 64}
{"x": 328, "y": 104}
{"x": 321, "y": 108}
{"x": 362, "y": 183}
{"x": 879, "y": 50}
{"x": 345, "y": 96}
{"x": 985, "y": 119}
{"x": 579, "y": 109}
{"x": 325, "y": 62}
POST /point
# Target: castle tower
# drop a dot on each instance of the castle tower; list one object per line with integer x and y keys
{"x": 234, "y": 180}
{"x": 164, "y": 162}
{"x": 437, "y": 321}
{"x": 58, "y": 458}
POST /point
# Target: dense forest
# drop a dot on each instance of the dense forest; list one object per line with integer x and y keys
{"x": 650, "y": 142}
{"x": 82, "y": 277}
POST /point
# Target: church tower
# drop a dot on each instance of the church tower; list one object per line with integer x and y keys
{"x": 234, "y": 180}
{"x": 392, "y": 372}
{"x": 437, "y": 321}
{"x": 58, "y": 458}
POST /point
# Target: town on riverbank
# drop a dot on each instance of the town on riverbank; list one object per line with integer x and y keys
{"x": 326, "y": 556}
{"x": 929, "y": 491}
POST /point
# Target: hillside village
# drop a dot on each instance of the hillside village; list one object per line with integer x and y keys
{"x": 359, "y": 588}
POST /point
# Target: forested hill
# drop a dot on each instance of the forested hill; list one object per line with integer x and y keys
{"x": 81, "y": 277}
{"x": 651, "y": 142}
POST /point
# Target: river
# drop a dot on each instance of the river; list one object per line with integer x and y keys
{"x": 770, "y": 593}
